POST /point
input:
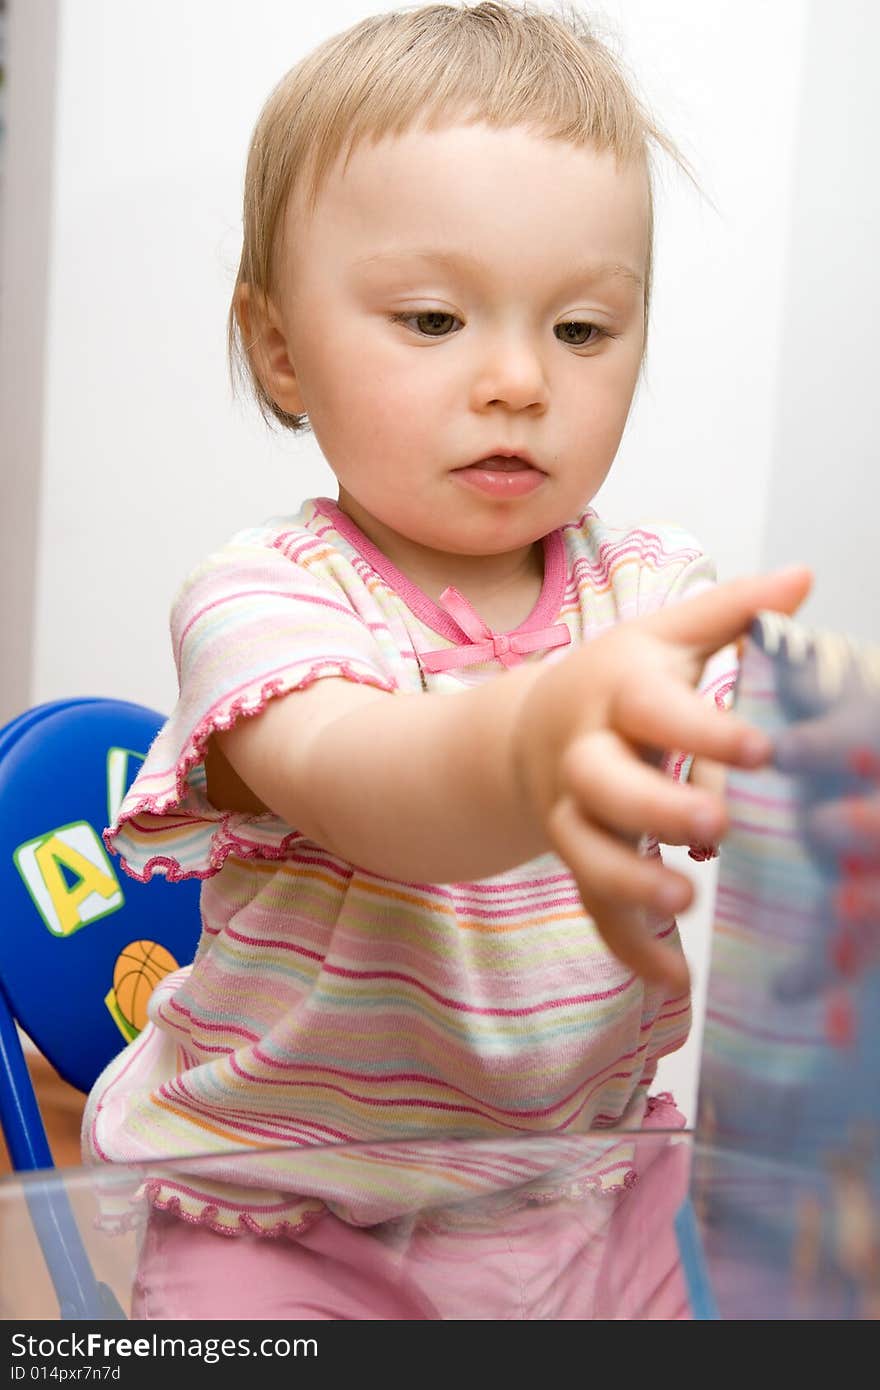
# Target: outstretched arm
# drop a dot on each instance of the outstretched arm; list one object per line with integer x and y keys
{"x": 440, "y": 788}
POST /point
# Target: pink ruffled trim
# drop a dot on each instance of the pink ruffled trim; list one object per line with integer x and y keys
{"x": 224, "y": 840}
{"x": 673, "y": 765}
{"x": 701, "y": 853}
{"x": 116, "y": 1225}
{"x": 244, "y": 1224}
{"x": 656, "y": 1117}
{"x": 443, "y": 1220}
{"x": 230, "y": 844}
{"x": 664, "y": 1100}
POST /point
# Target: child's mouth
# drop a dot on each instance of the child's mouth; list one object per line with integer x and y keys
{"x": 502, "y": 476}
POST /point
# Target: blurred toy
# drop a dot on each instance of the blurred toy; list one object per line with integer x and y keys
{"x": 786, "y": 1176}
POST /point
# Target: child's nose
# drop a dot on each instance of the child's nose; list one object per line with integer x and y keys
{"x": 512, "y": 373}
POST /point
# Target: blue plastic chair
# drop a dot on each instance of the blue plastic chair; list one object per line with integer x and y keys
{"x": 82, "y": 944}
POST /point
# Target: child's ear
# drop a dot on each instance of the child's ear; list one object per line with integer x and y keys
{"x": 264, "y": 338}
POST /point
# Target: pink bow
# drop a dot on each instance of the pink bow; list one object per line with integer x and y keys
{"x": 486, "y": 645}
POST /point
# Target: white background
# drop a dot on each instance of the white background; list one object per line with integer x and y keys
{"x": 125, "y": 458}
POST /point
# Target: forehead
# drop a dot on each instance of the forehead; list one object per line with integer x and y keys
{"x": 477, "y": 190}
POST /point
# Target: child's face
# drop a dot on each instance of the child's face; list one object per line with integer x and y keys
{"x": 422, "y": 309}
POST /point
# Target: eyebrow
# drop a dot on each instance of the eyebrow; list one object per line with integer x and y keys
{"x": 457, "y": 260}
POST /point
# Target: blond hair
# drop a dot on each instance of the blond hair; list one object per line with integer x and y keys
{"x": 498, "y": 63}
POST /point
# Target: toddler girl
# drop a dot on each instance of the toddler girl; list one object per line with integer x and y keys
{"x": 416, "y": 758}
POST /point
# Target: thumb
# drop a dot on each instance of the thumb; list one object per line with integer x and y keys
{"x": 724, "y": 613}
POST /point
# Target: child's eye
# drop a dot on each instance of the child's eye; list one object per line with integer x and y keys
{"x": 432, "y": 324}
{"x": 577, "y": 334}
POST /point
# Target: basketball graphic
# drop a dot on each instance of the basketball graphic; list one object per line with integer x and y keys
{"x": 139, "y": 967}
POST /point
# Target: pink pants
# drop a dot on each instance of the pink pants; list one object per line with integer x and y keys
{"x": 601, "y": 1256}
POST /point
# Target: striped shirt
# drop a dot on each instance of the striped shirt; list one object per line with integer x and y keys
{"x": 327, "y": 1005}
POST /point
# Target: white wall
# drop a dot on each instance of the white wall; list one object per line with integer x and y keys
{"x": 26, "y": 167}
{"x": 824, "y": 498}
{"x": 131, "y": 458}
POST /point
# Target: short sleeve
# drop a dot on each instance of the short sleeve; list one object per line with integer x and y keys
{"x": 248, "y": 625}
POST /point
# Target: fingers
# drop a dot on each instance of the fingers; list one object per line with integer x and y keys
{"x": 708, "y": 776}
{"x": 617, "y": 887}
{"x": 628, "y": 797}
{"x": 723, "y": 614}
{"x": 627, "y": 937}
{"x": 608, "y": 869}
{"x": 669, "y": 714}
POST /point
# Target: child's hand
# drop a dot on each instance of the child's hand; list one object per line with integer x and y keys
{"x": 589, "y": 730}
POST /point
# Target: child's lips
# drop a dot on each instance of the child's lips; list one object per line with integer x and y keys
{"x": 502, "y": 475}
{"x": 502, "y": 463}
